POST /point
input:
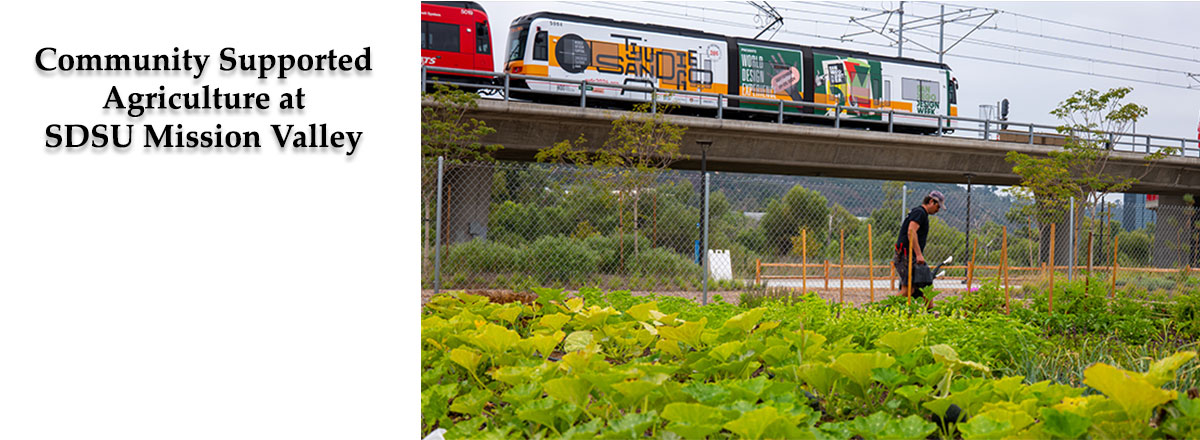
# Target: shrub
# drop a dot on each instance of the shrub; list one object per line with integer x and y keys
{"x": 561, "y": 258}
{"x": 661, "y": 262}
{"x": 481, "y": 256}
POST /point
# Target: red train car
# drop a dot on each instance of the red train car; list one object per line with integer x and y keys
{"x": 456, "y": 35}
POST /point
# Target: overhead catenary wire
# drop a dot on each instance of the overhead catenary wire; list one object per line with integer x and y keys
{"x": 1020, "y": 49}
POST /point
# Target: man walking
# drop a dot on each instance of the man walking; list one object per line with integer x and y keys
{"x": 915, "y": 227}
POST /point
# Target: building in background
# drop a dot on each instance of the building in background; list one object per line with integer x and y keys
{"x": 1135, "y": 214}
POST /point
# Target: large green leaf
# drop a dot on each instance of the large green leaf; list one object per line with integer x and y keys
{"x": 471, "y": 403}
{"x": 631, "y": 425}
{"x": 578, "y": 340}
{"x": 1130, "y": 390}
{"x": 745, "y": 321}
{"x": 1163, "y": 370}
{"x": 857, "y": 366}
{"x": 1064, "y": 424}
{"x": 909, "y": 428}
{"x": 553, "y": 321}
{"x": 687, "y": 333}
{"x": 985, "y": 427}
{"x": 724, "y": 351}
{"x": 889, "y": 377}
{"x": 707, "y": 393}
{"x": 692, "y": 420}
{"x": 542, "y": 344}
{"x": 641, "y": 312}
{"x": 818, "y": 376}
{"x": 466, "y": 357}
{"x": 568, "y": 389}
{"x": 945, "y": 354}
{"x": 751, "y": 425}
{"x": 903, "y": 342}
{"x": 541, "y": 411}
{"x": 495, "y": 339}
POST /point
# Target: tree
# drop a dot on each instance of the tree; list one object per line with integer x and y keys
{"x": 447, "y": 131}
{"x": 1080, "y": 168}
{"x": 800, "y": 208}
{"x": 640, "y": 145}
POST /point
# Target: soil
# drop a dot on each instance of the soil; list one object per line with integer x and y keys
{"x": 853, "y": 296}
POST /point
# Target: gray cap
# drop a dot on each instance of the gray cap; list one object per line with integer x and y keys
{"x": 937, "y": 195}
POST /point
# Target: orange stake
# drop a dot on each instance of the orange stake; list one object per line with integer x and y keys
{"x": 826, "y": 274}
{"x": 804, "y": 260}
{"x": 971, "y": 265}
{"x": 757, "y": 272}
{"x": 908, "y": 292}
{"x": 871, "y": 262}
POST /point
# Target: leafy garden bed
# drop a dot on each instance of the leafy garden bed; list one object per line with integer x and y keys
{"x": 618, "y": 366}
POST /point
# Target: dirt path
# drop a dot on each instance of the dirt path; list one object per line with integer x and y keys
{"x": 849, "y": 295}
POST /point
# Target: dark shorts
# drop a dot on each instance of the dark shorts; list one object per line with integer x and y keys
{"x": 900, "y": 262}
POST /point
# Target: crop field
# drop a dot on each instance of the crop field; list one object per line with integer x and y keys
{"x": 595, "y": 364}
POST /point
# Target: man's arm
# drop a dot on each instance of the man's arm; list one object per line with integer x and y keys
{"x": 918, "y": 257}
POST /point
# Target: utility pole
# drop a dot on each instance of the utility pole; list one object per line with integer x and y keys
{"x": 942, "y": 40}
{"x": 900, "y": 41}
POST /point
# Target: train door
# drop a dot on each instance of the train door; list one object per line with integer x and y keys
{"x": 483, "y": 44}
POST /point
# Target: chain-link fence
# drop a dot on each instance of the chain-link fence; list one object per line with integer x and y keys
{"x": 515, "y": 226}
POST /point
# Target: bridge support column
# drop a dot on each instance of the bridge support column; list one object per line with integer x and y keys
{"x": 468, "y": 195}
{"x": 1176, "y": 234}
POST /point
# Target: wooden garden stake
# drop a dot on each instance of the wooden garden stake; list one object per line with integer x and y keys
{"x": 757, "y": 272}
{"x": 842, "y": 266}
{"x": 971, "y": 265}
{"x": 1004, "y": 264}
{"x": 871, "y": 262}
{"x": 804, "y": 259}
{"x": 1088, "y": 278}
{"x": 826, "y": 274}
{"x": 908, "y": 292}
{"x": 1050, "y": 304}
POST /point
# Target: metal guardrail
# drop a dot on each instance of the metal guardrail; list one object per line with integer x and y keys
{"x": 1137, "y": 142}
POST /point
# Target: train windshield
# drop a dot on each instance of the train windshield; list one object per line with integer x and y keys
{"x": 516, "y": 42}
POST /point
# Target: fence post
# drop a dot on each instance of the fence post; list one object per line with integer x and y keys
{"x": 826, "y": 274}
{"x": 653, "y": 99}
{"x": 423, "y": 79}
{"x": 842, "y": 266}
{"x": 1087, "y": 279}
{"x": 837, "y": 115}
{"x": 1030, "y": 134}
{"x": 804, "y": 259}
{"x": 720, "y": 106}
{"x": 583, "y": 94}
{"x": 939, "y": 122}
{"x": 987, "y": 127}
{"x": 757, "y": 272}
{"x": 437, "y": 235}
{"x": 891, "y": 119}
{"x": 1004, "y": 264}
{"x": 1116, "y": 240}
{"x": 780, "y": 111}
{"x": 704, "y": 299}
{"x": 871, "y": 261}
{"x": 506, "y": 92}
{"x": 1050, "y": 304}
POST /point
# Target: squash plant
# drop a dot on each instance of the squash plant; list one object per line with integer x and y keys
{"x": 578, "y": 368}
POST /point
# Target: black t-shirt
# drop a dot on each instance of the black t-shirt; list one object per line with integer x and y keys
{"x": 918, "y": 215}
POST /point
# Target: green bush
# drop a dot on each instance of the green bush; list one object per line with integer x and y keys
{"x": 660, "y": 262}
{"x": 561, "y": 258}
{"x": 482, "y": 256}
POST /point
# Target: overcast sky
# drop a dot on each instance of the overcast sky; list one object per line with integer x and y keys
{"x": 1032, "y": 92}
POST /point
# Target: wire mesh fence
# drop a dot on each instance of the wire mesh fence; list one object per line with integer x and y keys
{"x": 507, "y": 225}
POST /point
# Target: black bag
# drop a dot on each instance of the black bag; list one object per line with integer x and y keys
{"x": 922, "y": 276}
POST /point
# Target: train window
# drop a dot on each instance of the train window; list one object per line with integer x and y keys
{"x": 919, "y": 90}
{"x": 887, "y": 91}
{"x": 952, "y": 91}
{"x": 541, "y": 46}
{"x": 516, "y": 43}
{"x": 439, "y": 36}
{"x": 483, "y": 38}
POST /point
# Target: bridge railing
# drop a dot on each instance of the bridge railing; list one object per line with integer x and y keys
{"x": 501, "y": 83}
